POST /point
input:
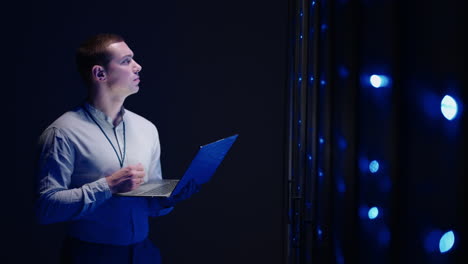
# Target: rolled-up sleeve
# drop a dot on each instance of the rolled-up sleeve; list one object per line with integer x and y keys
{"x": 55, "y": 201}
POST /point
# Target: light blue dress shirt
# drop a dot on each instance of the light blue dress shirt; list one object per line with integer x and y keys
{"x": 75, "y": 157}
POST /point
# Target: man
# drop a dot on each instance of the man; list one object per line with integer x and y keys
{"x": 99, "y": 149}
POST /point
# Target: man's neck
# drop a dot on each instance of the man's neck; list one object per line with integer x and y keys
{"x": 111, "y": 107}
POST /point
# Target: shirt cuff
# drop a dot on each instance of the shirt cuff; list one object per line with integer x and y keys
{"x": 103, "y": 187}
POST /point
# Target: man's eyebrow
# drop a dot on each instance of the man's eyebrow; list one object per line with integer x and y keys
{"x": 126, "y": 56}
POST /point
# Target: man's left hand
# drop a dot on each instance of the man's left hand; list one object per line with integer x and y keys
{"x": 186, "y": 192}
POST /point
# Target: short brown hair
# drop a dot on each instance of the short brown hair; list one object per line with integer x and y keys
{"x": 93, "y": 51}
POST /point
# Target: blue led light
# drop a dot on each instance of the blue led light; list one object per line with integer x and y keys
{"x": 321, "y": 140}
{"x": 343, "y": 71}
{"x": 373, "y": 213}
{"x": 378, "y": 80}
{"x": 340, "y": 186}
{"x": 449, "y": 107}
{"x": 342, "y": 143}
{"x": 319, "y": 232}
{"x": 374, "y": 166}
{"x": 363, "y": 212}
{"x": 431, "y": 240}
{"x": 363, "y": 164}
{"x": 324, "y": 27}
{"x": 446, "y": 242}
{"x": 384, "y": 236}
{"x": 339, "y": 259}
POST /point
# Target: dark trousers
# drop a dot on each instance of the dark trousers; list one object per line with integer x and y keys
{"x": 75, "y": 251}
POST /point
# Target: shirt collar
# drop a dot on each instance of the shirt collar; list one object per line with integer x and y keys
{"x": 101, "y": 116}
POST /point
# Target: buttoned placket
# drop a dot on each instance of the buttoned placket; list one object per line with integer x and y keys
{"x": 97, "y": 116}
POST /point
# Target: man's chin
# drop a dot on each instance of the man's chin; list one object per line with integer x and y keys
{"x": 135, "y": 89}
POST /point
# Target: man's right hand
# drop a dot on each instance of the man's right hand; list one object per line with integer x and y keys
{"x": 126, "y": 179}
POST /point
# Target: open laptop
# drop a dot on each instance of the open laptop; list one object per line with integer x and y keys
{"x": 202, "y": 167}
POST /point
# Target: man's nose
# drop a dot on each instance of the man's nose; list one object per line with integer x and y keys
{"x": 137, "y": 67}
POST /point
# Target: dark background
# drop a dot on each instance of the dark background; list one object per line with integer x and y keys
{"x": 210, "y": 70}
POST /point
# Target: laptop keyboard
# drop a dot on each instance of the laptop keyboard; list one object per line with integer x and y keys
{"x": 163, "y": 189}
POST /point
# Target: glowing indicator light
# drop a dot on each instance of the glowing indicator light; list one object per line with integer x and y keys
{"x": 449, "y": 107}
{"x": 374, "y": 166}
{"x": 378, "y": 80}
{"x": 446, "y": 242}
{"x": 373, "y": 213}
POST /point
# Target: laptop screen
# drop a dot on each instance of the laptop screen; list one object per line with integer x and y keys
{"x": 206, "y": 161}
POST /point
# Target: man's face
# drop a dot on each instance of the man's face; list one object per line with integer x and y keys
{"x": 122, "y": 70}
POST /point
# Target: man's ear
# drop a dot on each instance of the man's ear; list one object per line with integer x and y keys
{"x": 98, "y": 73}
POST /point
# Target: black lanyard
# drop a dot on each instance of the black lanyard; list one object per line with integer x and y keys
{"x": 121, "y": 160}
